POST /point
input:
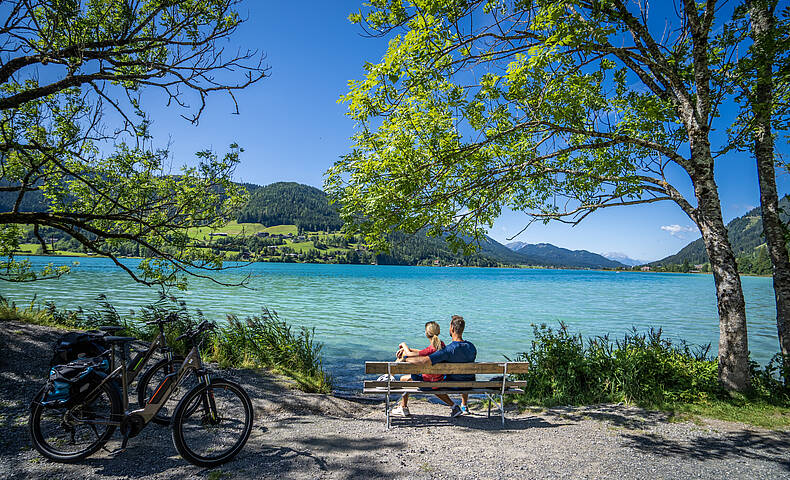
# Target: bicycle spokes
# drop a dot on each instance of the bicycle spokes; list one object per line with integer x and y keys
{"x": 213, "y": 423}
{"x": 72, "y": 431}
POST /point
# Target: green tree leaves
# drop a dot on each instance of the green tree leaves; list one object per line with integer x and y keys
{"x": 457, "y": 124}
{"x": 102, "y": 180}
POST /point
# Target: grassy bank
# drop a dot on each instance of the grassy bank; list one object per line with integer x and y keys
{"x": 650, "y": 371}
{"x": 258, "y": 341}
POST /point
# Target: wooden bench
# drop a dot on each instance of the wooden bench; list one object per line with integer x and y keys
{"x": 492, "y": 389}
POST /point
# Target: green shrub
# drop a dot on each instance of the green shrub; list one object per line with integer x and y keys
{"x": 645, "y": 369}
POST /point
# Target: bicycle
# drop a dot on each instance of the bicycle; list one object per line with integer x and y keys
{"x": 156, "y": 373}
{"x": 72, "y": 433}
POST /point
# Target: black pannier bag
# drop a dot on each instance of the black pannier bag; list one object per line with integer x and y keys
{"x": 68, "y": 384}
{"x": 75, "y": 345}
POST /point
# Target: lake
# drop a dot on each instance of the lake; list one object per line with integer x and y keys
{"x": 362, "y": 312}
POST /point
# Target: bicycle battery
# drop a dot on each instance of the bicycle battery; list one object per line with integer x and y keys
{"x": 163, "y": 388}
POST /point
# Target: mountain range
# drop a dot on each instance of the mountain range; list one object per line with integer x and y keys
{"x": 551, "y": 255}
{"x": 623, "y": 258}
{"x": 309, "y": 208}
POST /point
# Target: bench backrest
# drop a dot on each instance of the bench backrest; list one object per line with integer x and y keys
{"x": 444, "y": 368}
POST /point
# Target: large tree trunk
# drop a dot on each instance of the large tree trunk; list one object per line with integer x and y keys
{"x": 733, "y": 341}
{"x": 777, "y": 250}
{"x": 762, "y": 19}
{"x": 696, "y": 113}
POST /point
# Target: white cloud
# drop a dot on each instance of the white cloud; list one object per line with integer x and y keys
{"x": 678, "y": 230}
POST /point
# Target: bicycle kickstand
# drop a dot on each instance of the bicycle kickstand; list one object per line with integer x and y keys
{"x": 118, "y": 451}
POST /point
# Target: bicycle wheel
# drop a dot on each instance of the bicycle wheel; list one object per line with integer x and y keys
{"x": 212, "y": 423}
{"x": 151, "y": 380}
{"x": 69, "y": 434}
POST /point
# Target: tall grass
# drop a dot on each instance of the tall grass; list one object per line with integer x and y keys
{"x": 646, "y": 369}
{"x": 267, "y": 340}
{"x": 257, "y": 341}
{"x": 36, "y": 314}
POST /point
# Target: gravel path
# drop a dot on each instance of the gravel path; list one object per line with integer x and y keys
{"x": 306, "y": 436}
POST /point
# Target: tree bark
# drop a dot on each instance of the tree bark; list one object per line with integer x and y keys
{"x": 733, "y": 341}
{"x": 762, "y": 23}
{"x": 696, "y": 113}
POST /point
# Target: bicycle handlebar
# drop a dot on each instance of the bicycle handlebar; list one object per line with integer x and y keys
{"x": 204, "y": 326}
{"x": 161, "y": 321}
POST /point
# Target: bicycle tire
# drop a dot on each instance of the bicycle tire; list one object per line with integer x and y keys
{"x": 49, "y": 449}
{"x": 145, "y": 387}
{"x": 196, "y": 401}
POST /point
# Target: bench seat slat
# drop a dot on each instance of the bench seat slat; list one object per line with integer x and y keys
{"x": 443, "y": 385}
{"x": 378, "y": 368}
{"x": 417, "y": 391}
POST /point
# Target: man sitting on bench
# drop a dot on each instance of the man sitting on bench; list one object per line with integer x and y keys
{"x": 458, "y": 351}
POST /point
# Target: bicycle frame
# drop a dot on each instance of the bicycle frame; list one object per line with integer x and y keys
{"x": 192, "y": 363}
{"x": 131, "y": 373}
{"x": 161, "y": 395}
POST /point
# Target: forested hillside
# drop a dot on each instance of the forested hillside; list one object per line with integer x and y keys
{"x": 31, "y": 202}
{"x": 290, "y": 203}
{"x": 746, "y": 236}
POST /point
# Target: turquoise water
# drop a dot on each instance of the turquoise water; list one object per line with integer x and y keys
{"x": 362, "y": 312}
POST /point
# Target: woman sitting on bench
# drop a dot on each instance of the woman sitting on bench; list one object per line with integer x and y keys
{"x": 404, "y": 352}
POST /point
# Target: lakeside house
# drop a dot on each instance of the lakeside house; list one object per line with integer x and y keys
{"x": 645, "y": 269}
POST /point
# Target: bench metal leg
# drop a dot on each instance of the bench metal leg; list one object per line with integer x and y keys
{"x": 502, "y": 407}
{"x": 387, "y": 409}
{"x": 502, "y": 393}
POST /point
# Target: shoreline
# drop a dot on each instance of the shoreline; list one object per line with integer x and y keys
{"x": 519, "y": 267}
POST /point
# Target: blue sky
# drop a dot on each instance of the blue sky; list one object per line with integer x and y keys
{"x": 293, "y": 129}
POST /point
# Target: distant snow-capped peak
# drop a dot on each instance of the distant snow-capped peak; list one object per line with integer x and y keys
{"x": 622, "y": 258}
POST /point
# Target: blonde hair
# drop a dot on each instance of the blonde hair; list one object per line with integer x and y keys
{"x": 432, "y": 332}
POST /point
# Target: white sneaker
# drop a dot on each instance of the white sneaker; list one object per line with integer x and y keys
{"x": 400, "y": 411}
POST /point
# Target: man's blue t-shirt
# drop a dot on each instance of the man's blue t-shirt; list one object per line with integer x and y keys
{"x": 456, "y": 352}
